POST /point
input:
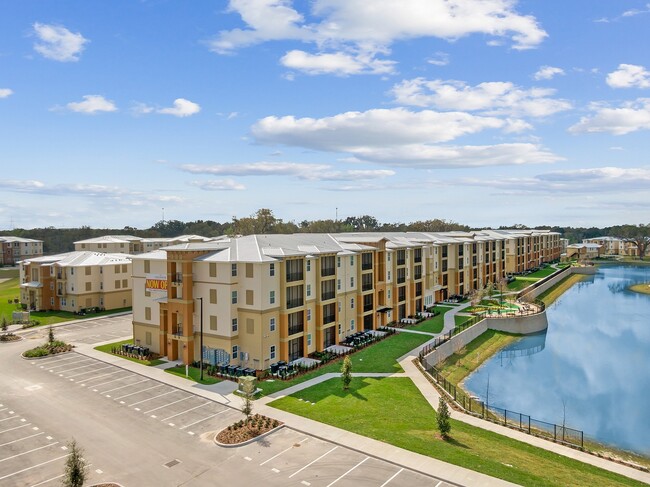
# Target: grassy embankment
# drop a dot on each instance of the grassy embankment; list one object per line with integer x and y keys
{"x": 395, "y": 412}
{"x": 643, "y": 288}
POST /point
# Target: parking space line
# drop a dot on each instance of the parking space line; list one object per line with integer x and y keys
{"x": 439, "y": 484}
{"x": 33, "y": 466}
{"x": 104, "y": 375}
{"x": 314, "y": 461}
{"x": 46, "y": 361}
{"x": 201, "y": 420}
{"x": 122, "y": 387}
{"x": 395, "y": 475}
{"x": 154, "y": 397}
{"x": 21, "y": 439}
{"x": 83, "y": 373}
{"x": 80, "y": 367}
{"x": 30, "y": 451}
{"x": 186, "y": 411}
{"x": 283, "y": 451}
{"x": 57, "y": 477}
{"x": 138, "y": 392}
{"x": 57, "y": 367}
{"x": 17, "y": 427}
{"x": 160, "y": 407}
{"x": 361, "y": 462}
{"x": 10, "y": 417}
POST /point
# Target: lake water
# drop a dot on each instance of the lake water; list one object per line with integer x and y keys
{"x": 593, "y": 364}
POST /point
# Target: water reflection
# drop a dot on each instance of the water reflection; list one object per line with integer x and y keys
{"x": 591, "y": 365}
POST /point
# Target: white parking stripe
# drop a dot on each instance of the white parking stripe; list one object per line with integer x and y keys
{"x": 283, "y": 451}
{"x": 80, "y": 367}
{"x": 103, "y": 375}
{"x": 154, "y": 397}
{"x": 128, "y": 376}
{"x": 30, "y": 451}
{"x": 439, "y": 484}
{"x": 156, "y": 409}
{"x": 21, "y": 439}
{"x": 186, "y": 411}
{"x": 332, "y": 483}
{"x": 314, "y": 461}
{"x": 122, "y": 387}
{"x": 33, "y": 466}
{"x": 396, "y": 474}
{"x": 201, "y": 420}
{"x": 10, "y": 417}
{"x": 83, "y": 373}
{"x": 52, "y": 361}
{"x": 17, "y": 427}
{"x": 138, "y": 392}
{"x": 63, "y": 366}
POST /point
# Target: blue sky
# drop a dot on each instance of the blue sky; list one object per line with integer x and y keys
{"x": 488, "y": 112}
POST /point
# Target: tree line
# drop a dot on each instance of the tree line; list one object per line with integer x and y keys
{"x": 263, "y": 221}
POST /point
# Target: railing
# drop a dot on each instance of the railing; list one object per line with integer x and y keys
{"x": 366, "y": 287}
{"x": 543, "y": 281}
{"x": 426, "y": 350}
{"x": 329, "y": 319}
{"x": 294, "y": 276}
{"x": 327, "y": 295}
{"x": 296, "y": 329}
{"x": 294, "y": 303}
{"x": 177, "y": 278}
{"x": 512, "y": 419}
{"x": 401, "y": 261}
{"x": 327, "y": 271}
{"x": 366, "y": 266}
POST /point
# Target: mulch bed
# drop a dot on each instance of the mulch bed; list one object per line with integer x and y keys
{"x": 9, "y": 337}
{"x": 245, "y": 430}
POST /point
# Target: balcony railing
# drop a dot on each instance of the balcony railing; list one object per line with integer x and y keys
{"x": 327, "y": 295}
{"x": 296, "y": 329}
{"x": 294, "y": 303}
{"x": 401, "y": 279}
{"x": 366, "y": 266}
{"x": 294, "y": 276}
{"x": 401, "y": 261}
{"x": 328, "y": 319}
{"x": 366, "y": 286}
{"x": 367, "y": 307}
{"x": 327, "y": 271}
{"x": 177, "y": 278}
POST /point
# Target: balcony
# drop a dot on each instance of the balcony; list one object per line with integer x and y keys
{"x": 367, "y": 286}
{"x": 177, "y": 279}
{"x": 294, "y": 276}
{"x": 327, "y": 271}
{"x": 295, "y": 303}
{"x": 401, "y": 279}
{"x": 367, "y": 307}
{"x": 328, "y": 295}
{"x": 366, "y": 266}
{"x": 296, "y": 329}
{"x": 401, "y": 261}
{"x": 328, "y": 319}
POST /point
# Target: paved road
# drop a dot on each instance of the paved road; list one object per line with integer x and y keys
{"x": 140, "y": 431}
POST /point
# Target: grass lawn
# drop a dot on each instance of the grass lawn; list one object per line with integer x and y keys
{"x": 107, "y": 349}
{"x": 8, "y": 290}
{"x": 560, "y": 288}
{"x": 380, "y": 357}
{"x": 194, "y": 374}
{"x": 543, "y": 273}
{"x": 51, "y": 317}
{"x": 459, "y": 319}
{"x": 435, "y": 324}
{"x": 393, "y": 410}
{"x": 641, "y": 288}
{"x": 520, "y": 283}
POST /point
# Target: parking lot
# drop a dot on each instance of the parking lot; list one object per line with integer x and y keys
{"x": 30, "y": 455}
{"x": 286, "y": 457}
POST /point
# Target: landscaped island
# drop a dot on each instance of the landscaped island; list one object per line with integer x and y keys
{"x": 643, "y": 288}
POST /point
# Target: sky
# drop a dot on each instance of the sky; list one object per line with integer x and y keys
{"x": 483, "y": 112}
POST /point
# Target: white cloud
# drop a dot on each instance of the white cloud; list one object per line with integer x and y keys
{"x": 630, "y": 117}
{"x": 219, "y": 185}
{"x": 440, "y": 59}
{"x": 5, "y": 92}
{"x": 338, "y": 63}
{"x": 92, "y": 104}
{"x": 311, "y": 172}
{"x": 590, "y": 180}
{"x": 434, "y": 156}
{"x": 355, "y": 28}
{"x": 547, "y": 72}
{"x": 58, "y": 43}
{"x": 141, "y": 109}
{"x": 636, "y": 11}
{"x": 181, "y": 108}
{"x": 493, "y": 98}
{"x": 374, "y": 128}
{"x": 629, "y": 76}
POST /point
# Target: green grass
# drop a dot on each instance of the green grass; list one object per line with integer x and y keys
{"x": 435, "y": 324}
{"x": 52, "y": 317}
{"x": 107, "y": 349}
{"x": 380, "y": 357}
{"x": 520, "y": 283}
{"x": 194, "y": 375}
{"x": 9, "y": 272}
{"x": 459, "y": 319}
{"x": 393, "y": 410}
{"x": 643, "y": 288}
{"x": 560, "y": 288}
{"x": 9, "y": 290}
{"x": 541, "y": 273}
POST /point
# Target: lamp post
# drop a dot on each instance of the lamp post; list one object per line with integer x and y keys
{"x": 201, "y": 341}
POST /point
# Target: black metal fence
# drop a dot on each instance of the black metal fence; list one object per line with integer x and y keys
{"x": 541, "y": 282}
{"x": 512, "y": 419}
{"x": 427, "y": 349}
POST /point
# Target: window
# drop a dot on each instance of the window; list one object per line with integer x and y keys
{"x": 72, "y": 271}
{"x": 352, "y": 303}
{"x": 51, "y": 301}
{"x": 235, "y": 351}
{"x": 308, "y": 314}
{"x": 147, "y": 313}
{"x": 117, "y": 284}
{"x": 101, "y": 301}
{"x": 125, "y": 283}
{"x": 272, "y": 297}
{"x": 272, "y": 352}
{"x": 101, "y": 286}
{"x": 101, "y": 270}
{"x": 308, "y": 290}
{"x": 339, "y": 328}
{"x": 233, "y": 297}
{"x": 249, "y": 270}
{"x": 233, "y": 270}
{"x": 88, "y": 270}
{"x": 147, "y": 338}
{"x": 235, "y": 327}
{"x": 352, "y": 282}
{"x": 124, "y": 268}
{"x": 351, "y": 260}
{"x": 308, "y": 265}
{"x": 272, "y": 269}
{"x": 213, "y": 323}
{"x": 249, "y": 297}
{"x": 338, "y": 284}
{"x": 213, "y": 296}
{"x": 272, "y": 324}
{"x": 308, "y": 339}
{"x": 147, "y": 266}
{"x": 338, "y": 262}
{"x": 213, "y": 269}
{"x": 339, "y": 306}
{"x": 72, "y": 303}
{"x": 388, "y": 294}
{"x": 63, "y": 301}
{"x": 351, "y": 324}
{"x": 88, "y": 286}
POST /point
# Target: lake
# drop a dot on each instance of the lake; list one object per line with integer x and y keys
{"x": 592, "y": 365}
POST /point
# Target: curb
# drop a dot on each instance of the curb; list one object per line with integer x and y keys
{"x": 45, "y": 356}
{"x": 247, "y": 442}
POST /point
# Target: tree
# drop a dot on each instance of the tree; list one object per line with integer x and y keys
{"x": 444, "y": 426}
{"x": 4, "y": 324}
{"x": 75, "y": 473}
{"x": 50, "y": 335}
{"x": 638, "y": 235}
{"x": 346, "y": 372}
{"x": 248, "y": 387}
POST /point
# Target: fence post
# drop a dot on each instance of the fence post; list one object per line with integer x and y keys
{"x": 454, "y": 393}
{"x": 582, "y": 437}
{"x": 482, "y": 409}
{"x": 555, "y": 432}
{"x": 505, "y": 417}
{"x": 528, "y": 424}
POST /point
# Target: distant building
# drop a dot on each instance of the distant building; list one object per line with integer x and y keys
{"x": 615, "y": 246}
{"x": 128, "y": 244}
{"x": 584, "y": 251}
{"x": 15, "y": 249}
{"x": 282, "y": 297}
{"x": 75, "y": 281}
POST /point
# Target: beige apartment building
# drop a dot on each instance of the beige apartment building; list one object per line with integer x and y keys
{"x": 128, "y": 244}
{"x": 614, "y": 246}
{"x": 264, "y": 298}
{"x": 75, "y": 281}
{"x": 15, "y": 249}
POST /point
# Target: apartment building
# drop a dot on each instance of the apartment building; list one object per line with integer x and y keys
{"x": 15, "y": 249}
{"x": 264, "y": 298}
{"x": 614, "y": 246}
{"x": 584, "y": 251}
{"x": 128, "y": 244}
{"x": 75, "y": 281}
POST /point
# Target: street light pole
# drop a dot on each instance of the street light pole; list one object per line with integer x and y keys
{"x": 201, "y": 341}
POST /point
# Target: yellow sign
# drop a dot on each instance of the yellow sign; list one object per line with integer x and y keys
{"x": 155, "y": 283}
